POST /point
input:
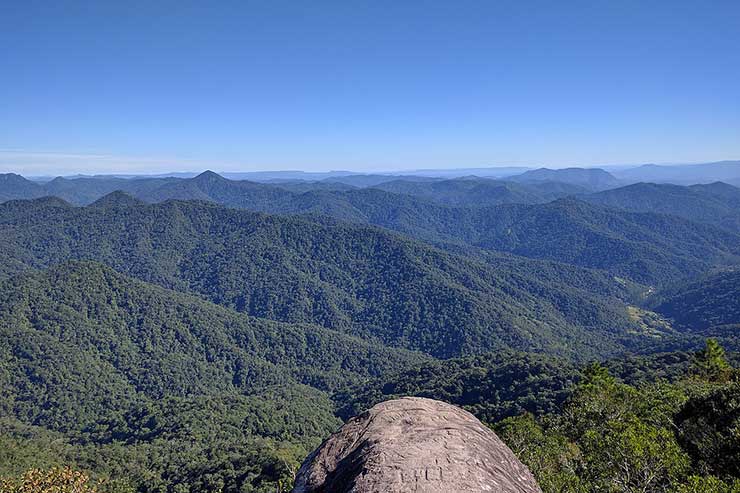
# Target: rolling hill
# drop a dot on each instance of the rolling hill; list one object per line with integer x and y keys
{"x": 480, "y": 192}
{"x": 160, "y": 388}
{"x": 644, "y": 247}
{"x": 647, "y": 248}
{"x": 712, "y": 302}
{"x": 590, "y": 178}
{"x": 145, "y": 340}
{"x": 715, "y": 203}
{"x": 686, "y": 174}
{"x": 356, "y": 279}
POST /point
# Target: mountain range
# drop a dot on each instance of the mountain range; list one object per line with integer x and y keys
{"x": 656, "y": 246}
{"x": 201, "y": 333}
{"x": 593, "y": 179}
{"x": 687, "y": 174}
{"x": 357, "y": 279}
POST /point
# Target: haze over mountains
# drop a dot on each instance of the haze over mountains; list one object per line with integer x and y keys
{"x": 588, "y": 178}
{"x": 679, "y": 231}
{"x": 681, "y": 174}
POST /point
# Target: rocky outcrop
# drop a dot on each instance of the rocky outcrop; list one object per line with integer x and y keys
{"x": 414, "y": 445}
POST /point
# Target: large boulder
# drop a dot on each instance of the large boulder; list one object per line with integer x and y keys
{"x": 414, "y": 445}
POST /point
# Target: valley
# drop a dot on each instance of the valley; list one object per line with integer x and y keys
{"x": 142, "y": 317}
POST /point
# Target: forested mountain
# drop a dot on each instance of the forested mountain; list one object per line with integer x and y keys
{"x": 357, "y": 279}
{"x": 715, "y": 203}
{"x": 147, "y": 339}
{"x": 14, "y": 186}
{"x": 234, "y": 235}
{"x": 83, "y": 191}
{"x": 593, "y": 179}
{"x": 712, "y": 302}
{"x": 687, "y": 174}
{"x": 174, "y": 339}
{"x": 647, "y": 248}
{"x": 90, "y": 353}
{"x": 215, "y": 188}
{"x": 481, "y": 192}
{"x": 180, "y": 391}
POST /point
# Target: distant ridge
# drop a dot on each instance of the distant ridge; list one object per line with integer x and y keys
{"x": 117, "y": 199}
{"x": 686, "y": 174}
{"x": 594, "y": 179}
{"x": 478, "y": 192}
{"x": 566, "y": 231}
{"x": 715, "y": 203}
{"x": 13, "y": 186}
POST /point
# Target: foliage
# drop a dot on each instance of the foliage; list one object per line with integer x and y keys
{"x": 715, "y": 203}
{"x": 711, "y": 302}
{"x": 192, "y": 347}
{"x": 651, "y": 436}
{"x": 709, "y": 429}
{"x": 56, "y": 480}
{"x": 708, "y": 484}
{"x": 354, "y": 279}
{"x": 553, "y": 459}
{"x": 163, "y": 389}
{"x": 199, "y": 445}
{"x": 491, "y": 386}
{"x": 711, "y": 363}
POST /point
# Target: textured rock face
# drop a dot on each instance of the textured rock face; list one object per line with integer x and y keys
{"x": 414, "y": 445}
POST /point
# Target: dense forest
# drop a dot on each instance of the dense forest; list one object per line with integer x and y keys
{"x": 659, "y": 435}
{"x": 357, "y": 279}
{"x": 203, "y": 334}
{"x": 707, "y": 304}
{"x": 648, "y": 247}
{"x": 714, "y": 203}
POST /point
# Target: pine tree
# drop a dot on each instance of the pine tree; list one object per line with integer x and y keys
{"x": 710, "y": 363}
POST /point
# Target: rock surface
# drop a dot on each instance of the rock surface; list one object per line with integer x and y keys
{"x": 414, "y": 445}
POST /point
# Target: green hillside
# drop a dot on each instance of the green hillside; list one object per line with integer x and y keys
{"x": 715, "y": 203}
{"x": 147, "y": 340}
{"x": 480, "y": 192}
{"x": 708, "y": 303}
{"x": 356, "y": 279}
{"x": 648, "y": 247}
{"x": 135, "y": 381}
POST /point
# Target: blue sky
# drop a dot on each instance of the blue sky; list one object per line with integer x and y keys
{"x": 365, "y": 85}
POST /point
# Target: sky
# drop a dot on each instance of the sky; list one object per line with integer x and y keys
{"x": 158, "y": 86}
